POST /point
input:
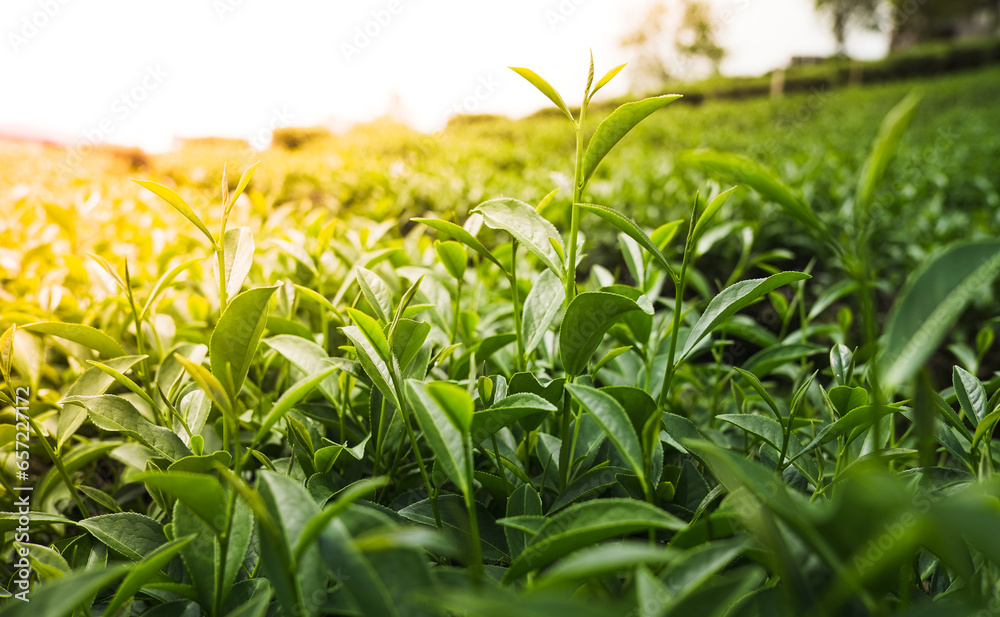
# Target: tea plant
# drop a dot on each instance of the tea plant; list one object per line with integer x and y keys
{"x": 332, "y": 418}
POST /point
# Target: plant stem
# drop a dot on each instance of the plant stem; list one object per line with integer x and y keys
{"x": 574, "y": 226}
{"x": 456, "y": 309}
{"x": 515, "y": 298}
{"x": 668, "y": 373}
{"x": 59, "y": 466}
{"x": 564, "y": 453}
{"x": 416, "y": 451}
{"x": 476, "y": 569}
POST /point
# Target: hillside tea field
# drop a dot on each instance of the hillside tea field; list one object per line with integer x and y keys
{"x": 729, "y": 359}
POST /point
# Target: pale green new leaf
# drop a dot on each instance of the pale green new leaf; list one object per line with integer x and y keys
{"x": 526, "y": 225}
{"x": 611, "y": 130}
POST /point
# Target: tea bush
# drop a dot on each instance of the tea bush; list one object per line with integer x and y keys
{"x": 285, "y": 409}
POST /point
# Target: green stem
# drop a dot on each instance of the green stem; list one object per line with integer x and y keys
{"x": 515, "y": 298}
{"x": 476, "y": 569}
{"x": 420, "y": 460}
{"x": 668, "y": 373}
{"x": 500, "y": 469}
{"x": 457, "y": 310}
{"x": 564, "y": 453}
{"x": 59, "y": 466}
{"x": 574, "y": 226}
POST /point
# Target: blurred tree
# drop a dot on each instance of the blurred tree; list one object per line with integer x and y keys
{"x": 696, "y": 35}
{"x": 848, "y": 12}
{"x": 648, "y": 68}
{"x": 670, "y": 45}
{"x": 915, "y": 21}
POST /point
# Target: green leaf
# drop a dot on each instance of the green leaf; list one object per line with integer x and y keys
{"x": 239, "y": 248}
{"x": 762, "y": 180}
{"x": 254, "y": 607}
{"x": 732, "y": 299}
{"x": 163, "y": 282}
{"x": 929, "y": 304}
{"x": 611, "y": 355}
{"x": 462, "y": 235}
{"x": 373, "y": 365}
{"x": 524, "y": 501}
{"x": 407, "y": 340}
{"x": 452, "y": 255}
{"x": 208, "y": 383}
{"x": 366, "y": 587}
{"x": 710, "y": 211}
{"x": 79, "y": 333}
{"x": 46, "y": 562}
{"x": 587, "y": 319}
{"x": 9, "y": 520}
{"x": 92, "y": 382}
{"x": 201, "y": 555}
{"x": 244, "y": 181}
{"x": 544, "y": 87}
{"x": 441, "y": 434}
{"x": 840, "y": 363}
{"x": 611, "y": 130}
{"x": 144, "y": 571}
{"x": 971, "y": 395}
{"x": 125, "y": 381}
{"x": 615, "y": 423}
{"x": 345, "y": 498}
{"x": 526, "y": 225}
{"x": 372, "y": 332}
{"x": 771, "y": 358}
{"x": 235, "y": 338}
{"x": 172, "y": 198}
{"x": 295, "y": 581}
{"x": 113, "y": 413}
{"x": 629, "y": 228}
{"x": 882, "y": 152}
{"x": 61, "y": 597}
{"x": 863, "y": 416}
{"x": 541, "y": 307}
{"x": 321, "y": 300}
{"x": 607, "y": 77}
{"x": 985, "y": 426}
{"x": 325, "y": 457}
{"x": 376, "y": 292}
{"x": 845, "y": 398}
{"x": 133, "y": 535}
{"x": 455, "y": 402}
{"x": 693, "y": 569}
{"x": 505, "y": 412}
{"x": 289, "y": 398}
{"x": 110, "y": 269}
{"x": 585, "y": 524}
{"x": 200, "y": 492}
{"x": 605, "y": 559}
{"x": 7, "y": 352}
{"x": 760, "y": 390}
{"x": 307, "y": 357}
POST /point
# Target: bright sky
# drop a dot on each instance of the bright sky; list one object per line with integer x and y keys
{"x": 142, "y": 73}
